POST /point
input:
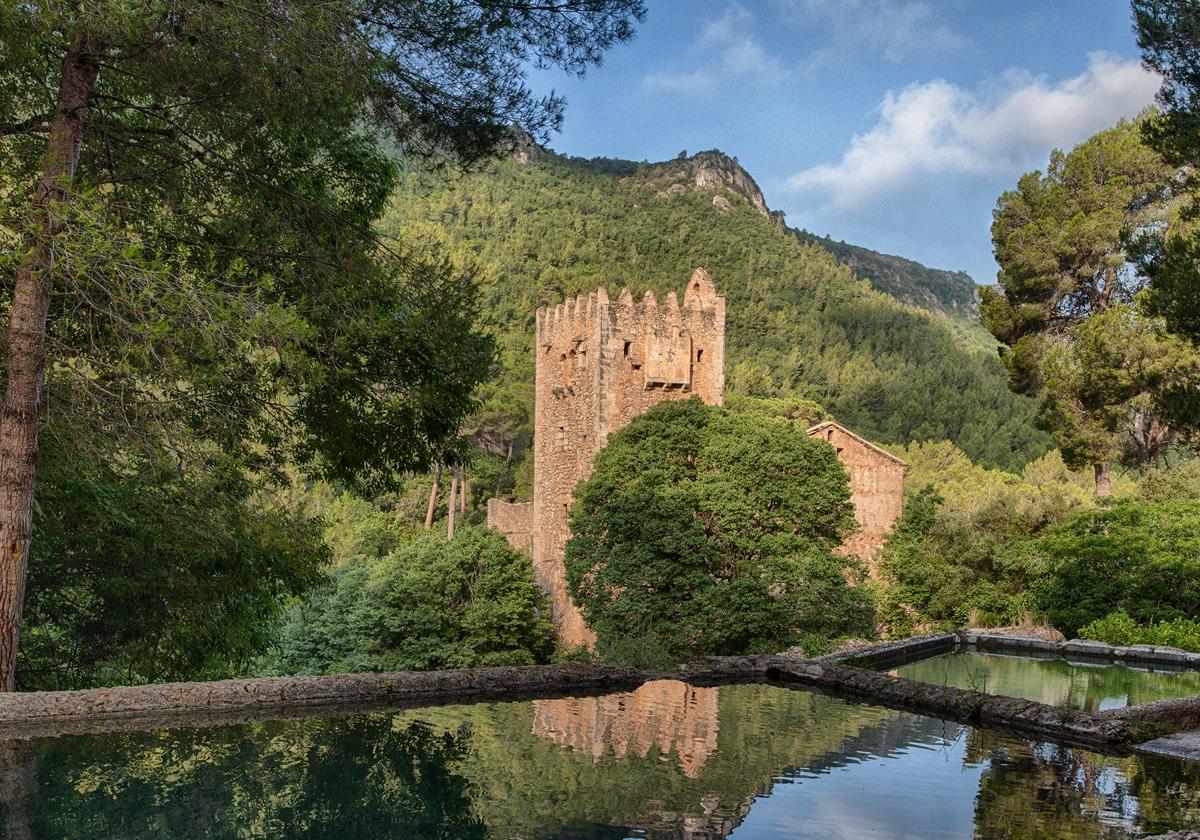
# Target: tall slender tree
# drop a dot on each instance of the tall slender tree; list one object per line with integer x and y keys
{"x": 1061, "y": 239}
{"x": 195, "y": 191}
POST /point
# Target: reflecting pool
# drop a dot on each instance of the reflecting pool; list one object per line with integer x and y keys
{"x": 1054, "y": 681}
{"x": 666, "y": 761}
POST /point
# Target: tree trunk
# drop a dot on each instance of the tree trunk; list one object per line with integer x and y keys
{"x": 453, "y": 496}
{"x": 433, "y": 491}
{"x": 1103, "y": 481}
{"x": 26, "y": 351}
{"x": 462, "y": 493}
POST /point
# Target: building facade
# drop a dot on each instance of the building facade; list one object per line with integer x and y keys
{"x": 876, "y": 488}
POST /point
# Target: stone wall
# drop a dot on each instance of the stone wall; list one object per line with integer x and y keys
{"x": 599, "y": 364}
{"x": 514, "y": 520}
{"x": 876, "y": 488}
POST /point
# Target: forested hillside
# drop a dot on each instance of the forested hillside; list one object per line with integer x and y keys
{"x": 951, "y": 292}
{"x": 799, "y": 322}
{"x": 947, "y": 292}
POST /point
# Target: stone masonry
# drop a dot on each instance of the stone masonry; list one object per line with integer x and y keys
{"x": 876, "y": 488}
{"x": 600, "y": 363}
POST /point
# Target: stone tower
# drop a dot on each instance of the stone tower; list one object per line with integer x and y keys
{"x": 600, "y": 363}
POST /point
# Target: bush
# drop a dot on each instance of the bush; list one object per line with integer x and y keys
{"x": 145, "y": 572}
{"x": 941, "y": 564}
{"x": 1119, "y": 628}
{"x": 703, "y": 531}
{"x": 433, "y": 603}
{"x": 1141, "y": 558}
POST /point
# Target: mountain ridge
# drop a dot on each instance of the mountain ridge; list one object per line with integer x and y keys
{"x": 938, "y": 290}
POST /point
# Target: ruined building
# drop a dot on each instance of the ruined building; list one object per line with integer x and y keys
{"x": 601, "y": 363}
{"x": 876, "y": 488}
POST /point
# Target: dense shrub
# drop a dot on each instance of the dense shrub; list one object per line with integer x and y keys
{"x": 705, "y": 531}
{"x": 146, "y": 571}
{"x": 1119, "y": 628}
{"x": 1142, "y": 558}
{"x": 432, "y": 603}
{"x": 940, "y": 565}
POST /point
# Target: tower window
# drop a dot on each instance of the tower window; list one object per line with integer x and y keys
{"x": 700, "y": 355}
{"x": 628, "y": 344}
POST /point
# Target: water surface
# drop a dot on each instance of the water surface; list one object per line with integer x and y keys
{"x": 667, "y": 762}
{"x": 1052, "y": 680}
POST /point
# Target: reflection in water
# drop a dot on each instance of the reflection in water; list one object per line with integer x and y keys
{"x": 18, "y": 786}
{"x": 678, "y": 718}
{"x": 1053, "y": 681}
{"x": 668, "y": 762}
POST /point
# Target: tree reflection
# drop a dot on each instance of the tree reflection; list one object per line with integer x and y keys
{"x": 359, "y": 777}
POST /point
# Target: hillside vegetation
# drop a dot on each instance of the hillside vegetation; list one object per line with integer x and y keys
{"x": 800, "y": 323}
{"x": 935, "y": 289}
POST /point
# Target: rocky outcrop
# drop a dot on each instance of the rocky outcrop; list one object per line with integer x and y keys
{"x": 715, "y": 170}
{"x": 711, "y": 171}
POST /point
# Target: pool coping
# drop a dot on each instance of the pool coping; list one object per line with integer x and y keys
{"x": 1147, "y": 727}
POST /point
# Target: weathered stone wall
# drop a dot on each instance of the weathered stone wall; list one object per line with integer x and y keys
{"x": 514, "y": 520}
{"x": 876, "y": 488}
{"x": 600, "y": 363}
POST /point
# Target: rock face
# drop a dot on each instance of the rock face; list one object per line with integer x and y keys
{"x": 715, "y": 170}
{"x": 601, "y": 363}
{"x": 876, "y": 488}
{"x": 708, "y": 172}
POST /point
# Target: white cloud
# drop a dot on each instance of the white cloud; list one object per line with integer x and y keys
{"x": 1009, "y": 125}
{"x": 726, "y": 48}
{"x": 896, "y": 29}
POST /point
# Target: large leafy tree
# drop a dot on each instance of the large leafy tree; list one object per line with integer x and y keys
{"x": 188, "y": 199}
{"x": 1065, "y": 305}
{"x": 705, "y": 531}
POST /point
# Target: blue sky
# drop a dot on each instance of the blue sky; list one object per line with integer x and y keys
{"x": 893, "y": 124}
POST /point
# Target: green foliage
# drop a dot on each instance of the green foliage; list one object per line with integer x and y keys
{"x": 705, "y": 531}
{"x": 797, "y": 409}
{"x": 800, "y": 325}
{"x": 963, "y": 542}
{"x": 432, "y": 603}
{"x": 942, "y": 565}
{"x": 143, "y": 573}
{"x": 949, "y": 292}
{"x": 1119, "y": 628}
{"x": 1142, "y": 558}
{"x": 1167, "y": 33}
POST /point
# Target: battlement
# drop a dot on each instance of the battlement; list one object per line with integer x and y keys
{"x": 663, "y": 343}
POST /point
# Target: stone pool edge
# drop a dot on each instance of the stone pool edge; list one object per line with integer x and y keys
{"x": 45, "y": 714}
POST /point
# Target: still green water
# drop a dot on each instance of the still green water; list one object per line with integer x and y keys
{"x": 667, "y": 761}
{"x": 1053, "y": 681}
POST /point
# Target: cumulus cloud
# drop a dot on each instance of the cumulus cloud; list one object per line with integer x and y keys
{"x": 931, "y": 129}
{"x": 726, "y": 48}
{"x": 895, "y": 29}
